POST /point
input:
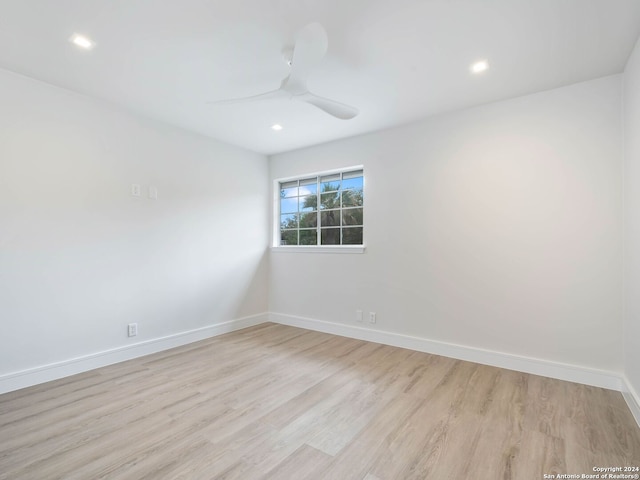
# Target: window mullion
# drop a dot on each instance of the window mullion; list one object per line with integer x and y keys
{"x": 318, "y": 210}
{"x": 298, "y": 211}
{"x": 340, "y": 211}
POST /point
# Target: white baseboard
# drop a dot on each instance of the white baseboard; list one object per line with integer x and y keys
{"x": 632, "y": 398}
{"x": 44, "y": 373}
{"x": 573, "y": 373}
{"x": 561, "y": 371}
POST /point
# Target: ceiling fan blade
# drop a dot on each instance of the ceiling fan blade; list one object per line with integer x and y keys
{"x": 279, "y": 93}
{"x": 311, "y": 46}
{"x": 337, "y": 109}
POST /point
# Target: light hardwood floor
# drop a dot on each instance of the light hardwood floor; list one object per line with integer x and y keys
{"x": 276, "y": 402}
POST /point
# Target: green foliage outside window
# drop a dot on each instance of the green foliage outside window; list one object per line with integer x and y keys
{"x": 337, "y": 221}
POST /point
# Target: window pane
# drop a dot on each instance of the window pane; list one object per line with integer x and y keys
{"x": 289, "y": 220}
{"x": 308, "y": 237}
{"x": 289, "y": 189}
{"x": 309, "y": 220}
{"x": 330, "y": 200}
{"x": 352, "y": 216}
{"x": 309, "y": 186}
{"x": 288, "y": 237}
{"x": 308, "y": 203}
{"x": 288, "y": 205}
{"x": 330, "y": 236}
{"x": 329, "y": 183}
{"x": 352, "y": 183}
{"x": 324, "y": 209}
{"x": 330, "y": 218}
{"x": 352, "y": 236}
{"x": 352, "y": 198}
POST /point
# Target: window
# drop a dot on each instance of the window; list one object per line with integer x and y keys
{"x": 319, "y": 210}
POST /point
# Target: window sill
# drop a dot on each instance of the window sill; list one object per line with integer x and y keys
{"x": 323, "y": 249}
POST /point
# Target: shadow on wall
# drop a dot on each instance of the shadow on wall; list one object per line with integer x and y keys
{"x": 254, "y": 298}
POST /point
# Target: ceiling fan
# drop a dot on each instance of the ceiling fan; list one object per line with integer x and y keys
{"x": 310, "y": 47}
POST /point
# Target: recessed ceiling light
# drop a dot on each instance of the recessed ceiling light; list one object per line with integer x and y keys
{"x": 277, "y": 127}
{"x": 479, "y": 67}
{"x": 82, "y": 41}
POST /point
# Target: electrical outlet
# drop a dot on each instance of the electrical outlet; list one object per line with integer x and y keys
{"x": 359, "y": 316}
{"x": 133, "y": 329}
{"x": 372, "y": 317}
{"x": 135, "y": 189}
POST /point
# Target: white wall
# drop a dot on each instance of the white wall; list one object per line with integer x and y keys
{"x": 497, "y": 228}
{"x": 632, "y": 210}
{"x": 80, "y": 258}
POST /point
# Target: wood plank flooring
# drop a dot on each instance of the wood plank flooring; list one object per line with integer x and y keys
{"x": 277, "y": 402}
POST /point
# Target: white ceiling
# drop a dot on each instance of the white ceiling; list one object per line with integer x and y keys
{"x": 396, "y": 60}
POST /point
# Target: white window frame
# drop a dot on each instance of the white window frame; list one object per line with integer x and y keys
{"x": 275, "y": 244}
